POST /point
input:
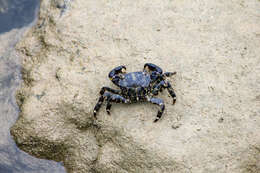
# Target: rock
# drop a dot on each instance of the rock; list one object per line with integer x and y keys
{"x": 66, "y": 59}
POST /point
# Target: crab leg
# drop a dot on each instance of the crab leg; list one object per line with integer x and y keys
{"x": 110, "y": 97}
{"x": 160, "y": 103}
{"x": 98, "y": 105}
{"x": 167, "y": 85}
{"x": 158, "y": 87}
{"x": 102, "y": 97}
{"x": 171, "y": 92}
{"x": 114, "y": 98}
{"x": 104, "y": 89}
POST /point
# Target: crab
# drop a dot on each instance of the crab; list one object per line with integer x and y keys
{"x": 138, "y": 86}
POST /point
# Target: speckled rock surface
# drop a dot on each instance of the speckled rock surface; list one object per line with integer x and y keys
{"x": 213, "y": 46}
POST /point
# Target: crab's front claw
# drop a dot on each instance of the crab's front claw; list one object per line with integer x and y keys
{"x": 117, "y": 70}
{"x": 149, "y": 67}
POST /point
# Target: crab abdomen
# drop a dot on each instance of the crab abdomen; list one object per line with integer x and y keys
{"x": 135, "y": 80}
{"x": 136, "y": 94}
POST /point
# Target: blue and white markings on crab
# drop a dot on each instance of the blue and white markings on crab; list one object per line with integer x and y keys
{"x": 135, "y": 87}
{"x": 135, "y": 79}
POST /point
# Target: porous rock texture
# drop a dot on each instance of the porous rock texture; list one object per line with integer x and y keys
{"x": 214, "y": 47}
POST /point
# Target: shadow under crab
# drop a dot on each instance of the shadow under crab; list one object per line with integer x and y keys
{"x": 136, "y": 86}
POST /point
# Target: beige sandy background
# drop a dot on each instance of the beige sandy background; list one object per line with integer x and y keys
{"x": 214, "y": 47}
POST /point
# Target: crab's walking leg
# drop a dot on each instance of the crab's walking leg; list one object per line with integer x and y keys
{"x": 114, "y": 98}
{"x": 110, "y": 97}
{"x": 104, "y": 89}
{"x": 158, "y": 87}
{"x": 98, "y": 105}
{"x": 102, "y": 97}
{"x": 169, "y": 74}
{"x": 160, "y": 103}
{"x": 167, "y": 85}
{"x": 171, "y": 92}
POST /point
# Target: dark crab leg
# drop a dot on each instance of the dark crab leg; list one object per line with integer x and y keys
{"x": 104, "y": 89}
{"x": 114, "y": 98}
{"x": 98, "y": 105}
{"x": 171, "y": 92}
{"x": 160, "y": 103}
{"x": 102, "y": 97}
{"x": 158, "y": 87}
{"x": 167, "y": 85}
{"x": 169, "y": 74}
{"x": 110, "y": 97}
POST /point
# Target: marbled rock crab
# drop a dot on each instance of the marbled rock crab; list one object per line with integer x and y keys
{"x": 136, "y": 86}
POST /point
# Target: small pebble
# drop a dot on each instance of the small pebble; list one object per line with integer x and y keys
{"x": 176, "y": 125}
{"x": 221, "y": 120}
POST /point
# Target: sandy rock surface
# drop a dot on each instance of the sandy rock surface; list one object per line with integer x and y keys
{"x": 214, "y": 47}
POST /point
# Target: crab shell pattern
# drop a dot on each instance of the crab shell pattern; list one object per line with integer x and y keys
{"x": 135, "y": 87}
